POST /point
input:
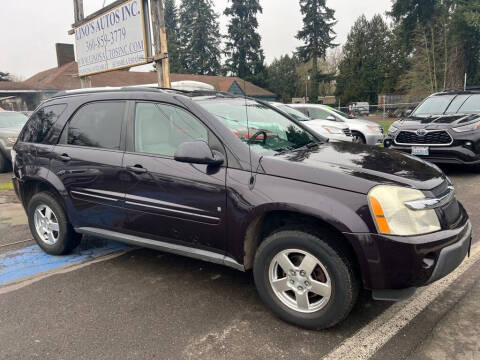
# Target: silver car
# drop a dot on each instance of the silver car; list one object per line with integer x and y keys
{"x": 363, "y": 131}
{"x": 11, "y": 123}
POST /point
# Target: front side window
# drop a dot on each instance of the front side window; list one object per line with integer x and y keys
{"x": 97, "y": 125}
{"x": 264, "y": 129}
{"x": 160, "y": 129}
{"x": 40, "y": 123}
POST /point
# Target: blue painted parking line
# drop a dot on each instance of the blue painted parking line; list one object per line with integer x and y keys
{"x": 19, "y": 264}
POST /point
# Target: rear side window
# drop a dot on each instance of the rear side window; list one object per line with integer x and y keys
{"x": 40, "y": 123}
{"x": 97, "y": 125}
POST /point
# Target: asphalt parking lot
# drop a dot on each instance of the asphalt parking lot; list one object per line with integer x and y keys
{"x": 115, "y": 302}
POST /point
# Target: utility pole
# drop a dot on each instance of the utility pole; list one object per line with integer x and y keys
{"x": 85, "y": 81}
{"x": 160, "y": 43}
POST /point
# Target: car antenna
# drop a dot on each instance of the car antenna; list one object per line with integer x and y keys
{"x": 251, "y": 181}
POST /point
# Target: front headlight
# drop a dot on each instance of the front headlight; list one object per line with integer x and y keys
{"x": 392, "y": 129}
{"x": 375, "y": 129}
{"x": 11, "y": 140}
{"x": 469, "y": 127}
{"x": 333, "y": 129}
{"x": 391, "y": 216}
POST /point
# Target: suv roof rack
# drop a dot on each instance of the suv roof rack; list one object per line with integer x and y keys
{"x": 146, "y": 87}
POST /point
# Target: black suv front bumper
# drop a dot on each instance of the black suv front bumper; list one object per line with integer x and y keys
{"x": 465, "y": 149}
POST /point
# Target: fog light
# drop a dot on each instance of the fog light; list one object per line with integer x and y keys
{"x": 468, "y": 143}
{"x": 387, "y": 143}
{"x": 428, "y": 260}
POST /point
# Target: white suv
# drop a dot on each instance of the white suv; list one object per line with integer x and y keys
{"x": 334, "y": 132}
{"x": 363, "y": 131}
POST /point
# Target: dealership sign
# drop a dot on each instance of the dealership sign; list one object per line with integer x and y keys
{"x": 115, "y": 39}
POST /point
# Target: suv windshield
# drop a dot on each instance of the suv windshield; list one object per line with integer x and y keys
{"x": 435, "y": 105}
{"x": 297, "y": 115}
{"x": 15, "y": 120}
{"x": 268, "y": 131}
{"x": 471, "y": 105}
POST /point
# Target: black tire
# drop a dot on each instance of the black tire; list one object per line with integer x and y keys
{"x": 359, "y": 136}
{"x": 4, "y": 163}
{"x": 344, "y": 281}
{"x": 68, "y": 239}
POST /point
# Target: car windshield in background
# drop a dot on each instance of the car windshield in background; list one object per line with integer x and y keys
{"x": 341, "y": 113}
{"x": 297, "y": 115}
{"x": 12, "y": 120}
{"x": 268, "y": 131}
{"x": 435, "y": 105}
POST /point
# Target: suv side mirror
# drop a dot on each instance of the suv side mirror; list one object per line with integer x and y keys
{"x": 331, "y": 118}
{"x": 407, "y": 113}
{"x": 198, "y": 152}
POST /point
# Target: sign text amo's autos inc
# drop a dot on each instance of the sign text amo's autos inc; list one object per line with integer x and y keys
{"x": 112, "y": 40}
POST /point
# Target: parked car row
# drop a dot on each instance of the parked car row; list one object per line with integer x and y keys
{"x": 245, "y": 184}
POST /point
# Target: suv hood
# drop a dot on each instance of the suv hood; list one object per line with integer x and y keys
{"x": 353, "y": 167}
{"x": 436, "y": 121}
{"x": 360, "y": 122}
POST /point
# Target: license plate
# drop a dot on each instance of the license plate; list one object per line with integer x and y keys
{"x": 420, "y": 150}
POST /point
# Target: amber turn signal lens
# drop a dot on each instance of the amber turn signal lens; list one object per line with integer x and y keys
{"x": 379, "y": 216}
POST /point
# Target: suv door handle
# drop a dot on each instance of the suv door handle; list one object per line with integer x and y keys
{"x": 138, "y": 169}
{"x": 64, "y": 157}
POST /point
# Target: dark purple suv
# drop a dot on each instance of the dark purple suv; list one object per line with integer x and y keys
{"x": 237, "y": 182}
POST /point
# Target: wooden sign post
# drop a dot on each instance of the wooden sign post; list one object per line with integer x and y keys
{"x": 160, "y": 43}
{"x": 85, "y": 81}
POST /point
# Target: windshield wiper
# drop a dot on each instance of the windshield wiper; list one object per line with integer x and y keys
{"x": 284, "y": 150}
{"x": 310, "y": 145}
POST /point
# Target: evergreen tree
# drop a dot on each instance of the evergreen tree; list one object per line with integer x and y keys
{"x": 283, "y": 78}
{"x": 171, "y": 23}
{"x": 317, "y": 35}
{"x": 369, "y": 66}
{"x": 199, "y": 37}
{"x": 245, "y": 57}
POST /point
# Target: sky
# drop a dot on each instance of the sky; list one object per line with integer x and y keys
{"x": 30, "y": 28}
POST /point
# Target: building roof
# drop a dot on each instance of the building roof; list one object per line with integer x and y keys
{"x": 66, "y": 77}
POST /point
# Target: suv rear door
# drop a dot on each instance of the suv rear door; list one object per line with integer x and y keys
{"x": 166, "y": 199}
{"x": 88, "y": 161}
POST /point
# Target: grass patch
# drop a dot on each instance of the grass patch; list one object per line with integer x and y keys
{"x": 6, "y": 186}
{"x": 385, "y": 124}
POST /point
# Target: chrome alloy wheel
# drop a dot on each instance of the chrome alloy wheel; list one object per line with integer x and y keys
{"x": 300, "y": 280}
{"x": 46, "y": 224}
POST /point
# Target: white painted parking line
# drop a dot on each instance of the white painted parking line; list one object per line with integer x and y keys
{"x": 369, "y": 339}
{"x": 33, "y": 279}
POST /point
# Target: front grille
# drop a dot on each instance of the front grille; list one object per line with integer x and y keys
{"x": 439, "y": 137}
{"x": 347, "y": 132}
